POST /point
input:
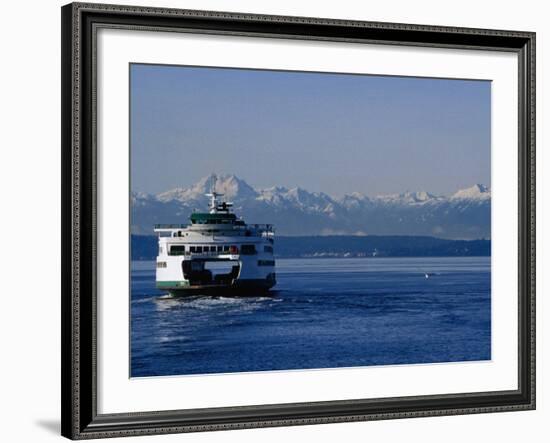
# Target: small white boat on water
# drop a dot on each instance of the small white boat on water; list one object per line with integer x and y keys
{"x": 216, "y": 254}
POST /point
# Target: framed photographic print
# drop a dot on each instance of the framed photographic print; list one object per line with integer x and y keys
{"x": 273, "y": 221}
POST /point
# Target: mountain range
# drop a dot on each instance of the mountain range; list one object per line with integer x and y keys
{"x": 466, "y": 214}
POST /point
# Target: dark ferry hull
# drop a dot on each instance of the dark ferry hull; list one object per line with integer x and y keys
{"x": 242, "y": 288}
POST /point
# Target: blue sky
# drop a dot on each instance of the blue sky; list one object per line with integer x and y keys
{"x": 335, "y": 133}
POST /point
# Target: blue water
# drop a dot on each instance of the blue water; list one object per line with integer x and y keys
{"x": 323, "y": 313}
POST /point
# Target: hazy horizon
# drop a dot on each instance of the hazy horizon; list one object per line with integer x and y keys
{"x": 331, "y": 133}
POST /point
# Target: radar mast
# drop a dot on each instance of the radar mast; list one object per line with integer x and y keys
{"x": 218, "y": 206}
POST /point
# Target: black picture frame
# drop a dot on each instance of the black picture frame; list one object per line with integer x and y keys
{"x": 79, "y": 211}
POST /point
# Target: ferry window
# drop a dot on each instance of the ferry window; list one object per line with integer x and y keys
{"x": 266, "y": 262}
{"x": 199, "y": 249}
{"x": 226, "y": 248}
{"x": 220, "y": 248}
{"x": 268, "y": 249}
{"x": 248, "y": 249}
{"x": 177, "y": 250}
{"x": 192, "y": 249}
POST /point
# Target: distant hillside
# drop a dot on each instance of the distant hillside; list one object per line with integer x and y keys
{"x": 145, "y": 247}
{"x": 464, "y": 215}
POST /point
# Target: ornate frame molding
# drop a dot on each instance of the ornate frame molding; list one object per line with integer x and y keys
{"x": 79, "y": 391}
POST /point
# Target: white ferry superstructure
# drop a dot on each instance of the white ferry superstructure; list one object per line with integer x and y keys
{"x": 216, "y": 253}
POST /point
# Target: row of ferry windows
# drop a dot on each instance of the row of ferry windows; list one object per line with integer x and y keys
{"x": 162, "y": 264}
{"x": 245, "y": 249}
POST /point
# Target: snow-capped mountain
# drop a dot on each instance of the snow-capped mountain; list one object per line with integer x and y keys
{"x": 464, "y": 215}
{"x": 475, "y": 193}
{"x": 409, "y": 198}
{"x": 233, "y": 188}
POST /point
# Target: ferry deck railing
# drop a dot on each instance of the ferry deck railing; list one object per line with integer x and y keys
{"x": 252, "y": 229}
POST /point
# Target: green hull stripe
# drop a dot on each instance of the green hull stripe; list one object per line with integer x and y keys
{"x": 172, "y": 284}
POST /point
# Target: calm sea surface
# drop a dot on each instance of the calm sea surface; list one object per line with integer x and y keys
{"x": 323, "y": 313}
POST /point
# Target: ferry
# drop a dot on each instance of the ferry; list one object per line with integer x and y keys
{"x": 216, "y": 254}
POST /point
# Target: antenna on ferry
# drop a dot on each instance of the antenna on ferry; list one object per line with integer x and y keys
{"x": 214, "y": 205}
{"x": 213, "y": 195}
